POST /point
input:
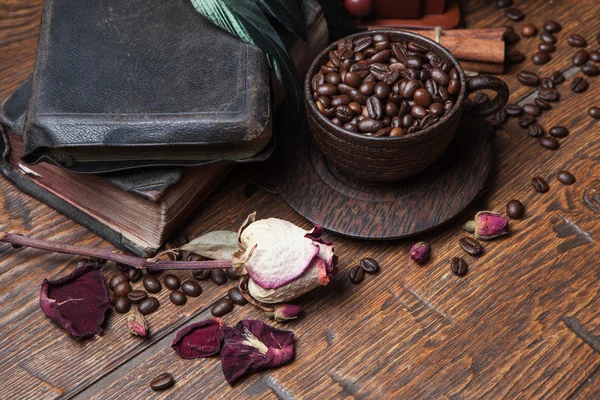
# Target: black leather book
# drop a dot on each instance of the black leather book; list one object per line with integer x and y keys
{"x": 123, "y": 84}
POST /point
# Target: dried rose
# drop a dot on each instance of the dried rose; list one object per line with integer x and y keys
{"x": 282, "y": 260}
{"x": 137, "y": 324}
{"x": 419, "y": 252}
{"x": 199, "y": 340}
{"x": 488, "y": 225}
{"x": 254, "y": 346}
{"x": 77, "y": 302}
{"x": 284, "y": 312}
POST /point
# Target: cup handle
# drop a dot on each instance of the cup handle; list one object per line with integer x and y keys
{"x": 491, "y": 107}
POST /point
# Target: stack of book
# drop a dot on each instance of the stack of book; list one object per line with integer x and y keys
{"x": 136, "y": 110}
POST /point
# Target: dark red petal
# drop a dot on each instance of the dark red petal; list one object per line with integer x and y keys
{"x": 199, "y": 340}
{"x": 239, "y": 357}
{"x": 77, "y": 302}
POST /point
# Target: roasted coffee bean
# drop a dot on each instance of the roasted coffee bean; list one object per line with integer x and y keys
{"x": 540, "y": 58}
{"x": 459, "y": 266}
{"x": 515, "y": 209}
{"x": 510, "y": 37}
{"x": 414, "y": 62}
{"x": 339, "y": 100}
{"x": 136, "y": 296}
{"x": 576, "y": 40}
{"x": 202, "y": 274}
{"x": 117, "y": 279}
{"x": 471, "y": 246}
{"x": 514, "y": 56}
{"x": 369, "y": 125}
{"x": 344, "y": 113}
{"x": 326, "y": 89}
{"x": 579, "y": 85}
{"x": 152, "y": 284}
{"x": 542, "y": 104}
{"x": 231, "y": 274}
{"x": 111, "y": 298}
{"x": 558, "y": 131}
{"x": 535, "y": 130}
{"x": 528, "y": 78}
{"x": 547, "y": 47}
{"x": 528, "y": 30}
{"x": 357, "y": 274}
{"x": 178, "y": 298}
{"x": 440, "y": 76}
{"x": 222, "y": 307}
{"x": 590, "y": 69}
{"x": 594, "y": 112}
{"x": 355, "y": 107}
{"x": 532, "y": 109}
{"x": 557, "y": 77}
{"x": 362, "y": 43}
{"x": 171, "y": 282}
{"x": 374, "y": 107}
{"x": 513, "y": 110}
{"x": 422, "y": 98}
{"x": 549, "y": 94}
{"x": 514, "y": 14}
{"x": 525, "y": 120}
{"x": 539, "y": 184}
{"x": 382, "y": 90}
{"x": 407, "y": 120}
{"x": 218, "y": 276}
{"x": 370, "y": 265}
{"x": 134, "y": 274}
{"x": 122, "y": 305}
{"x": 504, "y": 3}
{"x": 580, "y": 57}
{"x": 501, "y": 115}
{"x": 548, "y": 37}
{"x": 397, "y": 131}
{"x": 546, "y": 83}
{"x": 367, "y": 88}
{"x": 333, "y": 78}
{"x": 122, "y": 289}
{"x": 595, "y": 55}
{"x": 552, "y": 26}
{"x": 418, "y": 112}
{"x": 191, "y": 288}
{"x": 409, "y": 89}
{"x": 391, "y": 110}
{"x": 565, "y": 177}
{"x": 436, "y": 109}
{"x": 148, "y": 305}
{"x": 549, "y": 142}
{"x": 162, "y": 382}
{"x": 236, "y": 296}
{"x": 383, "y": 132}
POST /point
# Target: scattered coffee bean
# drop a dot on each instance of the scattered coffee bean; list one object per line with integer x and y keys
{"x": 134, "y": 274}
{"x": 590, "y": 69}
{"x": 559, "y": 131}
{"x": 222, "y": 307}
{"x": 171, "y": 282}
{"x": 549, "y": 94}
{"x": 594, "y": 112}
{"x": 539, "y": 184}
{"x": 357, "y": 274}
{"x": 503, "y": 3}
{"x": 122, "y": 305}
{"x": 515, "y": 209}
{"x": 202, "y": 274}
{"x": 549, "y": 142}
{"x": 579, "y": 85}
{"x": 162, "y": 382}
{"x": 236, "y": 296}
{"x": 528, "y": 30}
{"x": 540, "y": 58}
{"x": 231, "y": 274}
{"x": 525, "y": 120}
{"x": 535, "y": 130}
{"x": 370, "y": 265}
{"x": 532, "y": 109}
{"x": 548, "y": 37}
{"x": 528, "y": 78}
{"x": 595, "y": 55}
{"x": 122, "y": 289}
{"x": 547, "y": 83}
{"x": 178, "y": 298}
{"x": 112, "y": 298}
{"x": 148, "y": 305}
{"x": 513, "y": 110}
{"x": 557, "y": 77}
{"x": 136, "y": 296}
{"x": 514, "y": 14}
{"x": 510, "y": 37}
{"x": 547, "y": 47}
{"x": 580, "y": 57}
{"x": 576, "y": 40}
{"x": 117, "y": 279}
{"x": 471, "y": 246}
{"x": 542, "y": 104}
{"x": 552, "y": 26}
{"x": 514, "y": 56}
{"x": 152, "y": 284}
{"x": 191, "y": 288}
{"x": 565, "y": 177}
{"x": 218, "y": 276}
{"x": 459, "y": 266}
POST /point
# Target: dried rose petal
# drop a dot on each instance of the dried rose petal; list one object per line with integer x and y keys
{"x": 419, "y": 252}
{"x": 199, "y": 340}
{"x": 77, "y": 302}
{"x": 254, "y": 346}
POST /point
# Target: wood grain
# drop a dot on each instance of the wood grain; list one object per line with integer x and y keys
{"x": 524, "y": 323}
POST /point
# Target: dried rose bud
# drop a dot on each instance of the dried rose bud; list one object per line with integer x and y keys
{"x": 282, "y": 260}
{"x": 488, "y": 225}
{"x": 284, "y": 312}
{"x": 137, "y": 324}
{"x": 419, "y": 252}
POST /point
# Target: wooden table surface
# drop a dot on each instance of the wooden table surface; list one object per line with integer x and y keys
{"x": 524, "y": 323}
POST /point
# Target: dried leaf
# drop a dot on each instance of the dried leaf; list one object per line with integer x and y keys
{"x": 218, "y": 245}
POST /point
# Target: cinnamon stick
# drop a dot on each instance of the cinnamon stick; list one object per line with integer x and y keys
{"x": 487, "y": 68}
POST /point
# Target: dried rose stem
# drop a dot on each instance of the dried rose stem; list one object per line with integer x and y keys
{"x": 107, "y": 254}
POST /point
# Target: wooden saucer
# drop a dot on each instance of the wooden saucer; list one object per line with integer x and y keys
{"x": 323, "y": 195}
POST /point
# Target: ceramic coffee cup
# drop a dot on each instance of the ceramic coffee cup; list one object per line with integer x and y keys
{"x": 387, "y": 159}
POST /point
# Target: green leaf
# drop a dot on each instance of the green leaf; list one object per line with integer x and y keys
{"x": 288, "y": 13}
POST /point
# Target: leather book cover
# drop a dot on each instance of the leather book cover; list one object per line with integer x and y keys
{"x": 123, "y": 84}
